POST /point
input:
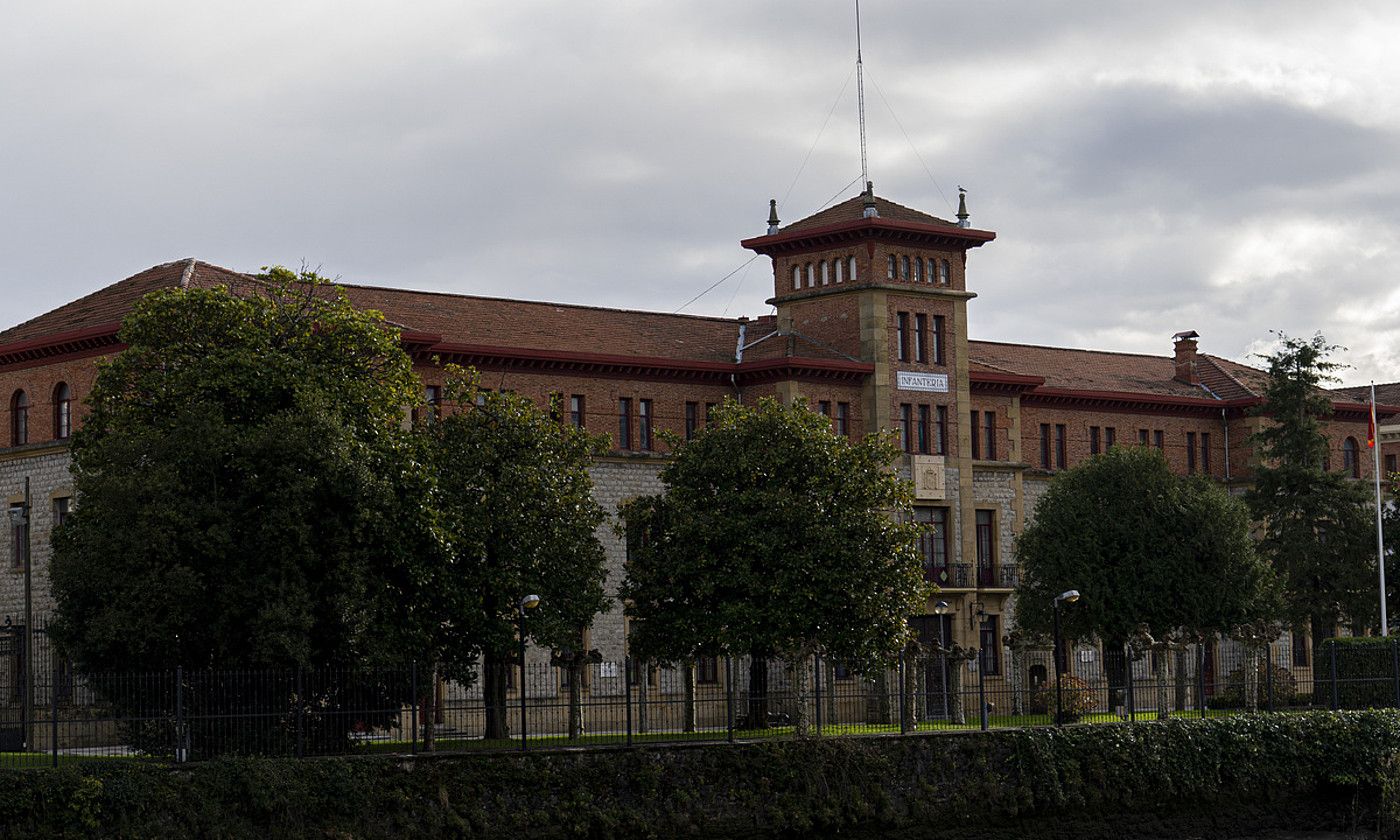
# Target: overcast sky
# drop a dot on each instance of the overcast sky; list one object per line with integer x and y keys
{"x": 1232, "y": 168}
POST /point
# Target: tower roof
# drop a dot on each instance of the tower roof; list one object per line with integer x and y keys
{"x": 852, "y": 209}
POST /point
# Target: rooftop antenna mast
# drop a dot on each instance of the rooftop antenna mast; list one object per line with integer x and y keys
{"x": 860, "y": 100}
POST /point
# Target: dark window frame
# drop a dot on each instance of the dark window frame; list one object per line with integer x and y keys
{"x": 923, "y": 428}
{"x": 1094, "y": 445}
{"x": 692, "y": 419}
{"x": 644, "y": 421}
{"x": 906, "y": 419}
{"x": 976, "y": 420}
{"x": 577, "y": 410}
{"x": 19, "y": 418}
{"x": 62, "y": 411}
{"x": 937, "y": 354}
{"x": 843, "y": 419}
{"x": 901, "y": 332}
{"x": 920, "y": 337}
{"x": 624, "y": 423}
{"x": 1061, "y": 447}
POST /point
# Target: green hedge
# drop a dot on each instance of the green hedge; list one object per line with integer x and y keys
{"x": 1089, "y": 780}
{"x": 1365, "y": 669}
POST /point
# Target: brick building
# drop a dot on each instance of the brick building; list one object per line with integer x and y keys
{"x": 871, "y": 329}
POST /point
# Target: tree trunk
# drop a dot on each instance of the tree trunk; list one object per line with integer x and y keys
{"x": 758, "y": 692}
{"x": 1251, "y": 679}
{"x": 1180, "y": 681}
{"x": 688, "y": 676}
{"x": 912, "y": 665}
{"x": 797, "y": 677}
{"x": 1159, "y": 668}
{"x": 493, "y": 694}
{"x": 576, "y": 667}
{"x": 1018, "y": 680}
{"x": 955, "y": 703}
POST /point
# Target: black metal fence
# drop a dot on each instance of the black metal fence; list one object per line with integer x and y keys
{"x": 189, "y": 715}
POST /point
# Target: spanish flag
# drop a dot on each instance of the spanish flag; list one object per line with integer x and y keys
{"x": 1371, "y": 426}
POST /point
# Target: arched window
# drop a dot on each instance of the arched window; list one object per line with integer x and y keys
{"x": 811, "y": 276}
{"x": 890, "y": 268}
{"x": 839, "y": 265}
{"x": 904, "y": 267}
{"x": 942, "y": 272}
{"x": 62, "y": 411}
{"x": 19, "y": 418}
{"x": 826, "y": 272}
{"x": 1351, "y": 460}
{"x": 918, "y": 270}
{"x": 851, "y": 269}
{"x": 796, "y": 277}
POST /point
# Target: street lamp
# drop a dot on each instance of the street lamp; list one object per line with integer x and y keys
{"x": 529, "y": 602}
{"x": 1069, "y": 596}
{"x": 942, "y": 609}
{"x": 19, "y": 518}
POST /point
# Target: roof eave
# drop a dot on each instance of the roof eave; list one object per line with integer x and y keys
{"x": 952, "y": 235}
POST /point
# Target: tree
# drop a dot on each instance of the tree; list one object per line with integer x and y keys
{"x": 516, "y": 505}
{"x": 1158, "y": 559}
{"x": 773, "y": 537}
{"x": 237, "y": 481}
{"x": 1317, "y": 526}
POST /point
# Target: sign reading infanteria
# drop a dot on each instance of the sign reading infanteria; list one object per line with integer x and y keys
{"x": 906, "y": 380}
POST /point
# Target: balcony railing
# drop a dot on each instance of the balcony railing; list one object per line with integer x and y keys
{"x": 960, "y": 576}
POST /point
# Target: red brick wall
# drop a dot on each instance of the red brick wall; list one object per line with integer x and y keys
{"x": 38, "y": 384}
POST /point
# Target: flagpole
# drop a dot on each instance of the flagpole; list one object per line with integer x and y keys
{"x": 1380, "y": 532}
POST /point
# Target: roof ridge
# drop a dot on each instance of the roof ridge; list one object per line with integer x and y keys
{"x": 996, "y": 367}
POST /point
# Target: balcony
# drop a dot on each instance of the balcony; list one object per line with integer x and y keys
{"x": 961, "y": 576}
{"x": 997, "y": 577}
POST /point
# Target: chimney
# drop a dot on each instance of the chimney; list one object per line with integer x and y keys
{"x": 1184, "y": 344}
{"x": 869, "y": 211}
{"x": 772, "y": 216}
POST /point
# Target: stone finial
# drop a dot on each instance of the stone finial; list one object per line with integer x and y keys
{"x": 870, "y": 211}
{"x": 962, "y": 209}
{"x": 772, "y": 216}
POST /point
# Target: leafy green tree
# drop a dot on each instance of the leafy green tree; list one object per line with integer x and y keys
{"x": 1317, "y": 526}
{"x": 232, "y": 478}
{"x": 515, "y": 499}
{"x": 773, "y": 537}
{"x": 1158, "y": 559}
{"x": 240, "y": 481}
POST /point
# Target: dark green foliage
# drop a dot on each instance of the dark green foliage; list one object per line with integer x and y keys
{"x": 1318, "y": 526}
{"x": 773, "y": 535}
{"x": 1147, "y": 550}
{"x": 1365, "y": 668}
{"x": 1232, "y": 694}
{"x": 1222, "y": 775}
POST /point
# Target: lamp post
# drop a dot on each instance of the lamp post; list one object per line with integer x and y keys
{"x": 19, "y": 518}
{"x": 529, "y": 602}
{"x": 942, "y": 609}
{"x": 1069, "y": 596}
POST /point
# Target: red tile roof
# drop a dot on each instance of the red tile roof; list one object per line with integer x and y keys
{"x": 854, "y": 208}
{"x": 1087, "y": 370}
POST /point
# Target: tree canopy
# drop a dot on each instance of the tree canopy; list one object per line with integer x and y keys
{"x": 1317, "y": 526}
{"x": 235, "y": 478}
{"x": 773, "y": 535}
{"x": 1145, "y": 548}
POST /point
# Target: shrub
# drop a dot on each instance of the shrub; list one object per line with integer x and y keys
{"x": 1365, "y": 672}
{"x": 1078, "y": 697}
{"x": 1232, "y": 694}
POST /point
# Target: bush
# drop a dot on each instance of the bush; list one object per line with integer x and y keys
{"x": 1232, "y": 694}
{"x": 1365, "y": 672}
{"x": 1078, "y": 696}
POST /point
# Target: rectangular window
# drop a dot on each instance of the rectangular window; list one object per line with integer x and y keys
{"x": 1045, "y": 445}
{"x": 576, "y": 411}
{"x": 692, "y": 419}
{"x": 16, "y": 540}
{"x": 920, "y": 337}
{"x": 843, "y": 419}
{"x": 1205, "y": 452}
{"x": 1110, "y": 437}
{"x": 624, "y": 423}
{"x": 906, "y": 419}
{"x": 923, "y": 430}
{"x": 824, "y": 408}
{"x": 61, "y": 507}
{"x": 644, "y": 424}
{"x": 1390, "y": 464}
{"x": 940, "y": 440}
{"x": 1300, "y": 649}
{"x": 707, "y": 670}
{"x": 1094, "y": 440}
{"x": 1142, "y": 437}
{"x": 986, "y": 548}
{"x": 990, "y": 646}
{"x": 1158, "y": 440}
{"x": 989, "y": 435}
{"x": 976, "y": 424}
{"x": 1061, "y": 447}
{"x": 933, "y": 543}
{"x": 901, "y": 332}
{"x": 1190, "y": 453}
{"x": 938, "y": 339}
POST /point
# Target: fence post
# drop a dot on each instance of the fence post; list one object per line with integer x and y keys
{"x": 903, "y": 717}
{"x": 982, "y": 693}
{"x": 1332, "y": 667}
{"x": 817, "y": 688}
{"x": 729, "y": 695}
{"x": 1201, "y": 678}
{"x": 1395, "y": 667}
{"x": 301, "y": 710}
{"x": 1269, "y": 673}
{"x": 53, "y": 705}
{"x": 1128, "y": 678}
{"x": 413, "y": 692}
{"x": 627, "y": 693}
{"x": 180, "y": 754}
